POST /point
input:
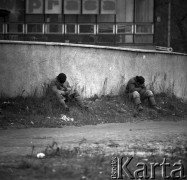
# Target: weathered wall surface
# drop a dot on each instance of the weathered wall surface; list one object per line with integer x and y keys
{"x": 25, "y": 66}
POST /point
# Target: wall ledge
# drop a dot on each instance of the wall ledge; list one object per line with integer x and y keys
{"x": 89, "y": 46}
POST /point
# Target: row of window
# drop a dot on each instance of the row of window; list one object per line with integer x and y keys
{"x": 100, "y": 39}
{"x": 71, "y": 28}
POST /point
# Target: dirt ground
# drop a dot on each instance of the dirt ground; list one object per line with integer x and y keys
{"x": 80, "y": 144}
{"x": 139, "y": 139}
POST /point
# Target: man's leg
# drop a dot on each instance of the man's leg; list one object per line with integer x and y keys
{"x": 62, "y": 99}
{"x": 149, "y": 94}
{"x": 136, "y": 100}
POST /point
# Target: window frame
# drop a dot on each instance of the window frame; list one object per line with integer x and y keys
{"x": 75, "y": 32}
{"x": 94, "y": 27}
{"x": 26, "y": 28}
{"x": 113, "y": 30}
{"x": 47, "y": 32}
{"x": 152, "y": 28}
{"x": 6, "y": 29}
{"x": 132, "y": 28}
{"x": 3, "y": 28}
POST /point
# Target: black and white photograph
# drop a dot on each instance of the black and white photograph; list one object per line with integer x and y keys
{"x": 93, "y": 89}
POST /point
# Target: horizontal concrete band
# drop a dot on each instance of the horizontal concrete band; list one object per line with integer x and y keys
{"x": 90, "y": 46}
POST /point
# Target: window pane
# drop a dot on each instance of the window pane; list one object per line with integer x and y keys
{"x": 70, "y": 28}
{"x": 105, "y": 18}
{"x": 86, "y": 28}
{"x": 70, "y": 18}
{"x": 144, "y": 28}
{"x": 34, "y": 18}
{"x": 143, "y": 39}
{"x": 144, "y": 10}
{"x": 2, "y": 19}
{"x": 34, "y": 28}
{"x": 125, "y": 9}
{"x": 15, "y": 28}
{"x": 86, "y": 18}
{"x": 53, "y": 28}
{"x": 1, "y": 28}
{"x": 124, "y": 28}
{"x": 54, "y": 18}
{"x": 124, "y": 39}
{"x": 105, "y": 28}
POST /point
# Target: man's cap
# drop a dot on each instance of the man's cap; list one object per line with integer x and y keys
{"x": 140, "y": 79}
{"x": 61, "y": 77}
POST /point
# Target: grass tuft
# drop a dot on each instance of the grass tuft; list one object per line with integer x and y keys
{"x": 46, "y": 111}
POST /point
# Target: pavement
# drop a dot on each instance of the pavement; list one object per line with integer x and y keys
{"x": 141, "y": 138}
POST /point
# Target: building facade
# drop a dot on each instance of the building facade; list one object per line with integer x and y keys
{"x": 101, "y": 22}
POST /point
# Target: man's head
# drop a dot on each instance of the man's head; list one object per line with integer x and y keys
{"x": 61, "y": 77}
{"x": 140, "y": 79}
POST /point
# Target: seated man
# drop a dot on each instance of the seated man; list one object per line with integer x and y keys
{"x": 64, "y": 91}
{"x": 137, "y": 91}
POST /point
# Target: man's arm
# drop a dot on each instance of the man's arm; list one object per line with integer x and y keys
{"x": 56, "y": 90}
{"x": 132, "y": 88}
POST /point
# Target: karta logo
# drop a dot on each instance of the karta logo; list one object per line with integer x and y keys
{"x": 90, "y": 5}
{"x": 109, "y": 5}
{"x": 72, "y": 5}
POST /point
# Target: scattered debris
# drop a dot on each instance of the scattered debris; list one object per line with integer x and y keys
{"x": 65, "y": 118}
{"x": 40, "y": 155}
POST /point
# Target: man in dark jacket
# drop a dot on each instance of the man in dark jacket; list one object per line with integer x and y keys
{"x": 137, "y": 91}
{"x": 60, "y": 86}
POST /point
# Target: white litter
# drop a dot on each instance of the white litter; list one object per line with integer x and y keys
{"x": 65, "y": 118}
{"x": 40, "y": 155}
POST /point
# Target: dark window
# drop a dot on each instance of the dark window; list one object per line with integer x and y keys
{"x": 34, "y": 28}
{"x": 14, "y": 28}
{"x": 144, "y": 29}
{"x": 1, "y": 28}
{"x": 86, "y": 29}
{"x": 123, "y": 28}
{"x": 53, "y": 28}
{"x": 54, "y": 18}
{"x": 70, "y": 18}
{"x": 71, "y": 29}
{"x": 35, "y": 18}
{"x": 106, "y": 28}
{"x": 86, "y": 18}
{"x": 106, "y": 18}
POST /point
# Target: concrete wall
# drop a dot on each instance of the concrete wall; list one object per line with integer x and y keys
{"x": 25, "y": 66}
